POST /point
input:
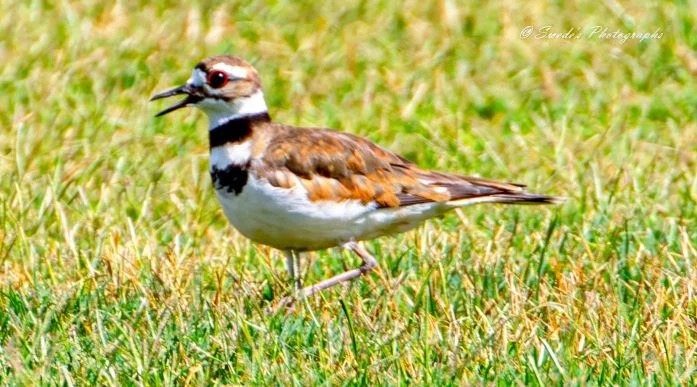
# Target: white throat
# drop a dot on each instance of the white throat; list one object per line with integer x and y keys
{"x": 220, "y": 112}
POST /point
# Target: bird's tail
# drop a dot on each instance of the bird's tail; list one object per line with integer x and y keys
{"x": 491, "y": 191}
{"x": 522, "y": 198}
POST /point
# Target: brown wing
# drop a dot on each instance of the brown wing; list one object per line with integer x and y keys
{"x": 339, "y": 166}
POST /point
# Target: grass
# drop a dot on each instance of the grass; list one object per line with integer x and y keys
{"x": 117, "y": 266}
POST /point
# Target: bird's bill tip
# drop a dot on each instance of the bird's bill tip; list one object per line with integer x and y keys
{"x": 185, "y": 89}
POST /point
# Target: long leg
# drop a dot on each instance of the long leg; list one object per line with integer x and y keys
{"x": 293, "y": 268}
{"x": 369, "y": 263}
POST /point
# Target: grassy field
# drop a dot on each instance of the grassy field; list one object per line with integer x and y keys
{"x": 118, "y": 267}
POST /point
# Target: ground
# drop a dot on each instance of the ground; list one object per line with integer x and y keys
{"x": 118, "y": 267}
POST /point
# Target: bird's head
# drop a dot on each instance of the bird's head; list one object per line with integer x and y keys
{"x": 225, "y": 87}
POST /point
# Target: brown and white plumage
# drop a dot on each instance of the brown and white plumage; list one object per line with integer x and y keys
{"x": 339, "y": 166}
{"x": 299, "y": 189}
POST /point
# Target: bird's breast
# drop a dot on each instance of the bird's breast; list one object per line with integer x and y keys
{"x": 230, "y": 179}
{"x": 229, "y": 166}
{"x": 286, "y": 219}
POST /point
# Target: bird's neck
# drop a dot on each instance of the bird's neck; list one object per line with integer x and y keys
{"x": 231, "y": 150}
{"x": 222, "y": 112}
{"x": 231, "y": 136}
{"x": 236, "y": 130}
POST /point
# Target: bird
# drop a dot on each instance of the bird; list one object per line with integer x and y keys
{"x": 300, "y": 189}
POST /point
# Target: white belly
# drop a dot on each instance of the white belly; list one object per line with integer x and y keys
{"x": 286, "y": 219}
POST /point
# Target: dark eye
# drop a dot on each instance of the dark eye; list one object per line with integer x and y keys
{"x": 217, "y": 79}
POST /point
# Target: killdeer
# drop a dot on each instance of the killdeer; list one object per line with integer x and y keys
{"x": 302, "y": 189}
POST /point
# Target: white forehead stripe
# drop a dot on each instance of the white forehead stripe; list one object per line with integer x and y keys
{"x": 198, "y": 78}
{"x": 235, "y": 72}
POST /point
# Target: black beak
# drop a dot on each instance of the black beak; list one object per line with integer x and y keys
{"x": 192, "y": 96}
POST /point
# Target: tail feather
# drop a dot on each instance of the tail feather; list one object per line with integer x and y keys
{"x": 528, "y": 198}
{"x": 470, "y": 190}
{"x": 457, "y": 191}
{"x": 521, "y": 198}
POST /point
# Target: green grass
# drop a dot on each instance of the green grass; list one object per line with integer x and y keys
{"x": 118, "y": 267}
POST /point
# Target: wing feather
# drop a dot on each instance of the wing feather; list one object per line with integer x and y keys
{"x": 339, "y": 166}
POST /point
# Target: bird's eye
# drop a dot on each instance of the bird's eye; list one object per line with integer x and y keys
{"x": 217, "y": 79}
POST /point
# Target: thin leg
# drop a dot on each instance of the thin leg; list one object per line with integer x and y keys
{"x": 369, "y": 263}
{"x": 290, "y": 263}
{"x": 293, "y": 268}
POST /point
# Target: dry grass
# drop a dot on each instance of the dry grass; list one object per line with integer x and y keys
{"x": 116, "y": 265}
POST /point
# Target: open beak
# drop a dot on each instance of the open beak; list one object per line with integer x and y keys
{"x": 192, "y": 96}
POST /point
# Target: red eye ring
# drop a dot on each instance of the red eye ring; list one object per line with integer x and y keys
{"x": 217, "y": 79}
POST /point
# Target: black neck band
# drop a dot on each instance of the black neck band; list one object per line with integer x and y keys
{"x": 236, "y": 129}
